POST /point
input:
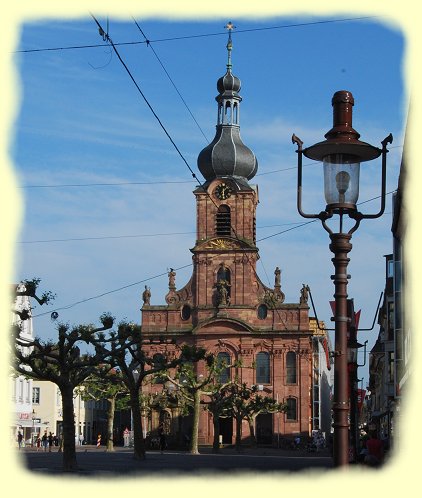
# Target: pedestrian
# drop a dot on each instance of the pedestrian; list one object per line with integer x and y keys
{"x": 99, "y": 440}
{"x": 38, "y": 443}
{"x": 44, "y": 441}
{"x": 81, "y": 439}
{"x": 375, "y": 451}
{"x": 50, "y": 441}
{"x": 162, "y": 436}
{"x": 20, "y": 439}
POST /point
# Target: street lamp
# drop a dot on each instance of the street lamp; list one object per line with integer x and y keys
{"x": 341, "y": 153}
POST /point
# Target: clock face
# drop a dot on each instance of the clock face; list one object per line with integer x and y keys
{"x": 223, "y": 191}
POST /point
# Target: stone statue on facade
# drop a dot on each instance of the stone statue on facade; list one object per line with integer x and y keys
{"x": 223, "y": 297}
{"x": 146, "y": 296}
{"x": 277, "y": 280}
{"x": 172, "y": 279}
{"x": 304, "y": 294}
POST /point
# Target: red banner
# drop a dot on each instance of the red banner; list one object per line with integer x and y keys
{"x": 361, "y": 397}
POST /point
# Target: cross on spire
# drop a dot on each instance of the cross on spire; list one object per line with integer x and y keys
{"x": 229, "y": 26}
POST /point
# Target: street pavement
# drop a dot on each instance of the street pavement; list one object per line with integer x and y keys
{"x": 94, "y": 461}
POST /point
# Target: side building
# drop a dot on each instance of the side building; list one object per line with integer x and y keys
{"x": 389, "y": 367}
{"x": 24, "y": 418}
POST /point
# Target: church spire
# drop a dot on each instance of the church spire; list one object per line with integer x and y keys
{"x": 227, "y": 155}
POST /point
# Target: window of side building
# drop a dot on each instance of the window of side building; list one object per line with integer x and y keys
{"x": 291, "y": 413}
{"x": 263, "y": 368}
{"x": 291, "y": 370}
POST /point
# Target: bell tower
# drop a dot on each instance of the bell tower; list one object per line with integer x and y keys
{"x": 225, "y": 253}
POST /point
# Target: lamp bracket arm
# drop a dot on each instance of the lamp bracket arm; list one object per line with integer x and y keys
{"x": 296, "y": 140}
{"x": 364, "y": 355}
{"x": 375, "y": 316}
{"x": 387, "y": 139}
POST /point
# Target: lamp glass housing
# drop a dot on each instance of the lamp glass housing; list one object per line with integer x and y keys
{"x": 341, "y": 179}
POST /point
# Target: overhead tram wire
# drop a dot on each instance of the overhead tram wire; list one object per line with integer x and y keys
{"x": 68, "y": 306}
{"x": 148, "y": 42}
{"x": 204, "y": 35}
{"x": 193, "y": 174}
{"x": 109, "y": 40}
{"x": 158, "y": 182}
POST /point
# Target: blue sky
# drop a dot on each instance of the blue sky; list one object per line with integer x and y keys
{"x": 81, "y": 121}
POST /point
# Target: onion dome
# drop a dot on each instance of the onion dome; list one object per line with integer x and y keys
{"x": 227, "y": 155}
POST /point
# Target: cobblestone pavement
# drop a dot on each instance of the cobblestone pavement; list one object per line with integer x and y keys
{"x": 94, "y": 461}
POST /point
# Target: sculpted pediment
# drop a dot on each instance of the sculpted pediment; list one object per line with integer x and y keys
{"x": 220, "y": 326}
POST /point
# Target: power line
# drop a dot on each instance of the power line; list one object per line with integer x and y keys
{"x": 109, "y": 40}
{"x": 111, "y": 184}
{"x": 169, "y": 182}
{"x": 108, "y": 292}
{"x": 105, "y": 237}
{"x": 187, "y": 37}
{"x": 148, "y": 42}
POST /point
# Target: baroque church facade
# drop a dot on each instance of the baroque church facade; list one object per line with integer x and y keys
{"x": 225, "y": 308}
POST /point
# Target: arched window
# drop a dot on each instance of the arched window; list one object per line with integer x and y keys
{"x": 263, "y": 368}
{"x": 223, "y": 360}
{"x": 291, "y": 368}
{"x": 262, "y": 311}
{"x": 223, "y": 221}
{"x": 228, "y": 113}
{"x": 236, "y": 114}
{"x": 291, "y": 413}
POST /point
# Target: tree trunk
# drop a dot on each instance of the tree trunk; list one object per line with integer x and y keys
{"x": 138, "y": 438}
{"x": 69, "y": 451}
{"x": 251, "y": 422}
{"x": 110, "y": 423}
{"x": 216, "y": 440}
{"x": 195, "y": 426}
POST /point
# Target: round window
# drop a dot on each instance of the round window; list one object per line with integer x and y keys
{"x": 186, "y": 312}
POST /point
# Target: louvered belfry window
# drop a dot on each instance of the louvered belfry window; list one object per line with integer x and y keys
{"x": 223, "y": 221}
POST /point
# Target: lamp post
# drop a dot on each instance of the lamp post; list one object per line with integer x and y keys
{"x": 341, "y": 154}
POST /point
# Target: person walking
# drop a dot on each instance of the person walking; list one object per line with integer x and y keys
{"x": 20, "y": 439}
{"x": 44, "y": 441}
{"x": 99, "y": 440}
{"x": 50, "y": 441}
{"x": 375, "y": 451}
{"x": 38, "y": 443}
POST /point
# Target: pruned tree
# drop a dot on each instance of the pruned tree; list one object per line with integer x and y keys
{"x": 124, "y": 350}
{"x": 60, "y": 362}
{"x": 247, "y": 404}
{"x": 109, "y": 386}
{"x": 193, "y": 387}
{"x": 261, "y": 404}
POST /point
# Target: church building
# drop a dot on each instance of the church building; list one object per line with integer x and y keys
{"x": 224, "y": 307}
